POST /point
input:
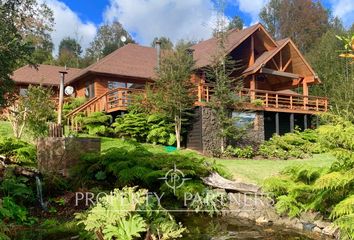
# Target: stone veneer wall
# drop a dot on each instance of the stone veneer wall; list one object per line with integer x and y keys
{"x": 211, "y": 141}
{"x": 58, "y": 155}
{"x": 255, "y": 134}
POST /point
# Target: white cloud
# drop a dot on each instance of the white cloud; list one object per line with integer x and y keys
{"x": 176, "y": 19}
{"x": 344, "y": 9}
{"x": 68, "y": 24}
{"x": 250, "y": 7}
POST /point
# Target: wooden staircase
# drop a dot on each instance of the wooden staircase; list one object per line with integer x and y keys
{"x": 113, "y": 100}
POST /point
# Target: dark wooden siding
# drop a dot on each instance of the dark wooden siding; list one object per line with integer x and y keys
{"x": 194, "y": 138}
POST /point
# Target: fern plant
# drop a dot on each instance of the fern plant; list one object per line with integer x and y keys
{"x": 126, "y": 214}
{"x": 96, "y": 123}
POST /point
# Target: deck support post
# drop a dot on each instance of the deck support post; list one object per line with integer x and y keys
{"x": 253, "y": 88}
{"x": 305, "y": 122}
{"x": 305, "y": 92}
{"x": 292, "y": 122}
{"x": 317, "y": 121}
{"x": 277, "y": 123}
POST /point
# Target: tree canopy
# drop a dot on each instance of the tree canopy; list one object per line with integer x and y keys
{"x": 107, "y": 40}
{"x": 301, "y": 20}
{"x": 19, "y": 18}
{"x": 166, "y": 43}
{"x": 236, "y": 22}
{"x": 69, "y": 53}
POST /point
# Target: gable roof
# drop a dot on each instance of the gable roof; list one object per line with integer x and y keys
{"x": 41, "y": 74}
{"x": 268, "y": 55}
{"x": 204, "y": 51}
{"x": 265, "y": 57}
{"x": 131, "y": 60}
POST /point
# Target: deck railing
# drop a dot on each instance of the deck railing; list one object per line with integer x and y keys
{"x": 270, "y": 100}
{"x": 119, "y": 99}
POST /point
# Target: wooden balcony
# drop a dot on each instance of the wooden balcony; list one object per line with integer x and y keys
{"x": 118, "y": 100}
{"x": 269, "y": 100}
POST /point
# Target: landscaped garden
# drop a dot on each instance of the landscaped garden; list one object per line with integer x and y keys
{"x": 299, "y": 183}
{"x": 112, "y": 159}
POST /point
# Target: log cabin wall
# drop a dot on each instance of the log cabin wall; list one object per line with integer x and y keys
{"x": 101, "y": 86}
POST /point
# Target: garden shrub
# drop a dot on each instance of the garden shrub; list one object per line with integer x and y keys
{"x": 96, "y": 123}
{"x": 18, "y": 151}
{"x": 292, "y": 145}
{"x": 142, "y": 127}
{"x": 132, "y": 125}
{"x": 329, "y": 191}
{"x": 134, "y": 165}
{"x": 73, "y": 103}
{"x": 237, "y": 152}
{"x": 128, "y": 214}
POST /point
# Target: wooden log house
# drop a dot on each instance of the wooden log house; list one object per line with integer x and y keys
{"x": 275, "y": 84}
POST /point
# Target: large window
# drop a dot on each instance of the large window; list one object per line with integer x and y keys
{"x": 244, "y": 120}
{"x": 117, "y": 84}
{"x": 114, "y": 84}
{"x": 23, "y": 91}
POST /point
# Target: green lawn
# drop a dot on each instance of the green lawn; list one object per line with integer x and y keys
{"x": 257, "y": 170}
{"x": 5, "y": 129}
{"x": 246, "y": 170}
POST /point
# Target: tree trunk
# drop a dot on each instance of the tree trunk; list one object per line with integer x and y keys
{"x": 217, "y": 181}
{"x": 178, "y": 131}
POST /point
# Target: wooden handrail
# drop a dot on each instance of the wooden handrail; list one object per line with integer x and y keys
{"x": 272, "y": 99}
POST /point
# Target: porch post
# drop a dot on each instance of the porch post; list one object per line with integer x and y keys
{"x": 305, "y": 92}
{"x": 292, "y": 122}
{"x": 277, "y": 123}
{"x": 253, "y": 87}
{"x": 61, "y": 95}
{"x": 305, "y": 122}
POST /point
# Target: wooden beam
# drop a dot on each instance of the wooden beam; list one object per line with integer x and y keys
{"x": 286, "y": 65}
{"x": 251, "y": 62}
{"x": 275, "y": 63}
{"x": 305, "y": 92}
{"x": 279, "y": 73}
{"x": 281, "y": 59}
{"x": 277, "y": 123}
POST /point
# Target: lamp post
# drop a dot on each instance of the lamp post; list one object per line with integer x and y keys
{"x": 61, "y": 95}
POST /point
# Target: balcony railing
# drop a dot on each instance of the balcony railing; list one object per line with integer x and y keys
{"x": 270, "y": 100}
{"x": 118, "y": 100}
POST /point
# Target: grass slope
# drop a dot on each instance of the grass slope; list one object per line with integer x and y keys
{"x": 257, "y": 170}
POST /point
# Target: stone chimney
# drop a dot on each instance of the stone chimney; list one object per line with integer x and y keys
{"x": 158, "y": 51}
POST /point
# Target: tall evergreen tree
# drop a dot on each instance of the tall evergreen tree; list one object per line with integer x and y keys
{"x": 173, "y": 95}
{"x": 220, "y": 74}
{"x": 107, "y": 40}
{"x": 69, "y": 53}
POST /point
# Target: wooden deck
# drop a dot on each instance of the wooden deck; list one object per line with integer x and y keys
{"x": 118, "y": 100}
{"x": 269, "y": 100}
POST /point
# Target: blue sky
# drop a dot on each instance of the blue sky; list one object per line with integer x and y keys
{"x": 145, "y": 19}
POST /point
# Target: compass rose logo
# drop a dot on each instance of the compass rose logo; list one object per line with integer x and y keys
{"x": 174, "y": 178}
